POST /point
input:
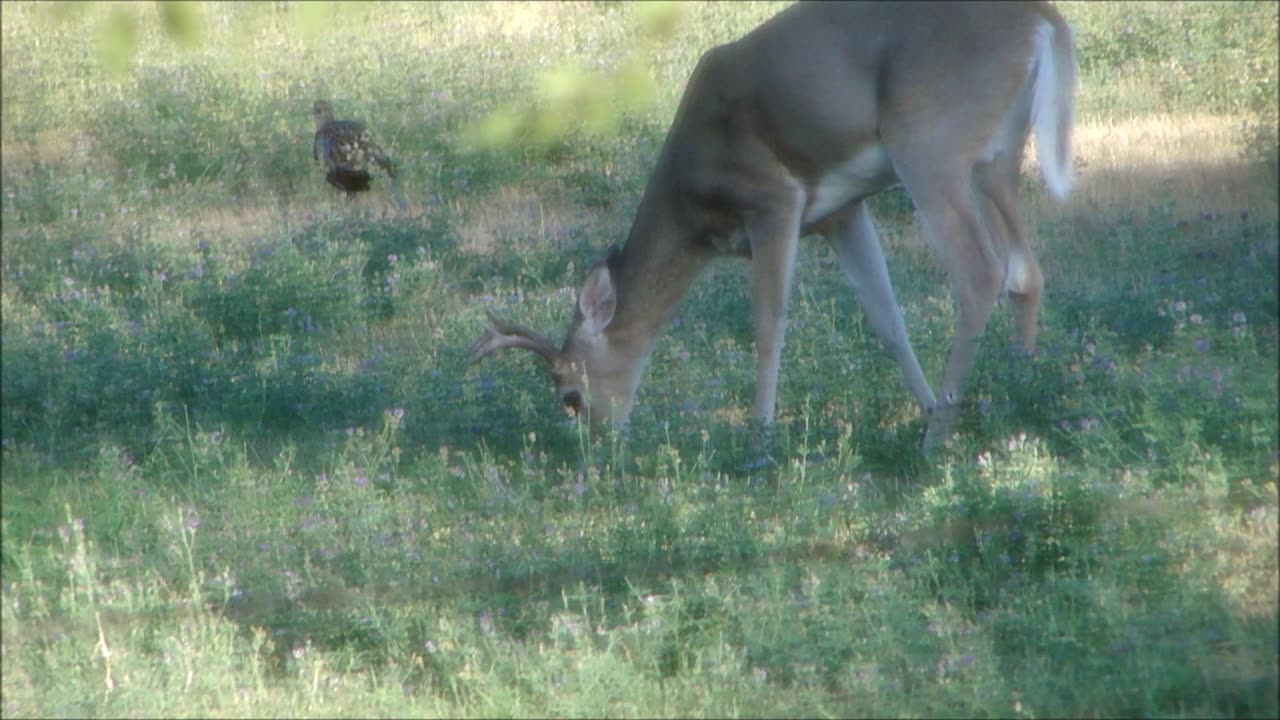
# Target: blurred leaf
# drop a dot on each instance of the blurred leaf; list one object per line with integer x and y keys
{"x": 358, "y": 8}
{"x": 498, "y": 129}
{"x": 117, "y": 40}
{"x": 572, "y": 99}
{"x": 658, "y": 20}
{"x": 563, "y": 84}
{"x": 311, "y": 17}
{"x": 64, "y": 10}
{"x": 635, "y": 86}
{"x": 549, "y": 123}
{"x": 181, "y": 21}
{"x": 599, "y": 116}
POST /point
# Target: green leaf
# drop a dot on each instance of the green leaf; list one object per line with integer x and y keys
{"x": 181, "y": 20}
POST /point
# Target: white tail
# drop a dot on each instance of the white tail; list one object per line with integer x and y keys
{"x": 786, "y": 132}
{"x": 1052, "y": 107}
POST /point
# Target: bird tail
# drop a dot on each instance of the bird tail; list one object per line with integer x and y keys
{"x": 385, "y": 163}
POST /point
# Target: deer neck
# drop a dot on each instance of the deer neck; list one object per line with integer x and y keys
{"x": 655, "y": 268}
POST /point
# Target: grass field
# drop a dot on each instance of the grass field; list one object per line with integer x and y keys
{"x": 247, "y": 470}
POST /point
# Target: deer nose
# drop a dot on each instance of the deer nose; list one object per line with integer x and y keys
{"x": 572, "y": 402}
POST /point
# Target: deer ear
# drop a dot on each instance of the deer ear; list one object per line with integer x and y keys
{"x": 597, "y": 300}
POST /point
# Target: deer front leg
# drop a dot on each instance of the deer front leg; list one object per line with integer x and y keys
{"x": 774, "y": 238}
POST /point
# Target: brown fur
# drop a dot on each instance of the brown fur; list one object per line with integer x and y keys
{"x": 787, "y": 131}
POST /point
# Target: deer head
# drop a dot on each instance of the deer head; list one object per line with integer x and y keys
{"x": 595, "y": 376}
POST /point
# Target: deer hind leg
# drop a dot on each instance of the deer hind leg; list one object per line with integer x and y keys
{"x": 862, "y": 259}
{"x": 997, "y": 184}
{"x": 943, "y": 195}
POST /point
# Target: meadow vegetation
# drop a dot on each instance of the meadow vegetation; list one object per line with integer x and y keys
{"x": 248, "y": 471}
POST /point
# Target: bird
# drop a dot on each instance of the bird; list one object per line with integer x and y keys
{"x": 346, "y": 149}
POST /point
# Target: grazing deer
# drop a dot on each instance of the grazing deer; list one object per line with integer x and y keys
{"x": 788, "y": 131}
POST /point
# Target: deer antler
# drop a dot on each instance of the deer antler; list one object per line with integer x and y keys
{"x": 500, "y": 335}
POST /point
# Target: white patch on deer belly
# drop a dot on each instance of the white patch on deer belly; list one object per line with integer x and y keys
{"x": 867, "y": 172}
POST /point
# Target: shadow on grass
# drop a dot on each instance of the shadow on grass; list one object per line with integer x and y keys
{"x": 1077, "y": 616}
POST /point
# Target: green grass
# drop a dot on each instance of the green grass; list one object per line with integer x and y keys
{"x": 247, "y": 470}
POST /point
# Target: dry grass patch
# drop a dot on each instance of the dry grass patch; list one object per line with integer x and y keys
{"x": 505, "y": 23}
{"x": 521, "y": 214}
{"x": 53, "y": 147}
{"x": 1192, "y": 162}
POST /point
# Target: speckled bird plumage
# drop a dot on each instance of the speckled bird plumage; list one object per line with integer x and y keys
{"x": 347, "y": 150}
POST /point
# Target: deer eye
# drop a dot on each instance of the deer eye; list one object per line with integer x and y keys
{"x": 572, "y": 402}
